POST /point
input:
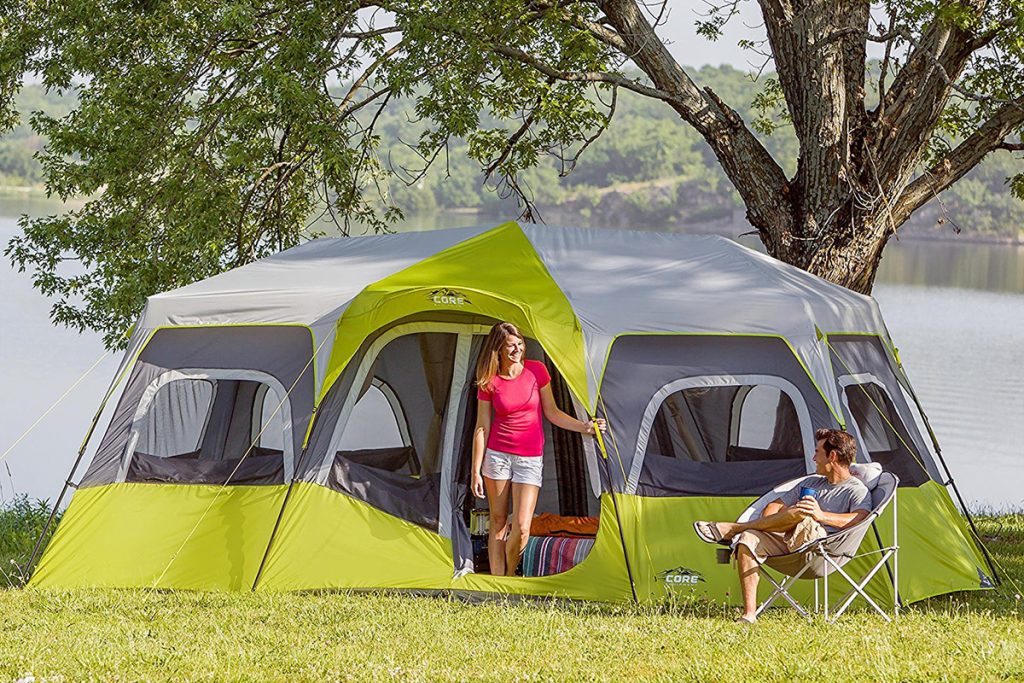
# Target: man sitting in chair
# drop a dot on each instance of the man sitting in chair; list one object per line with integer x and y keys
{"x": 788, "y": 522}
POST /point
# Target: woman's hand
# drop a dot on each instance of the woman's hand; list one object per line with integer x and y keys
{"x": 598, "y": 423}
{"x": 478, "y": 485}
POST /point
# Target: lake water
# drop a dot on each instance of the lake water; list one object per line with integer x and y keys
{"x": 954, "y": 309}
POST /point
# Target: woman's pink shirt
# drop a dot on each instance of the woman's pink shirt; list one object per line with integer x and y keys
{"x": 517, "y": 426}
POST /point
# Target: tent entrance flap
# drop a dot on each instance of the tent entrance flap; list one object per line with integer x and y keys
{"x": 568, "y": 510}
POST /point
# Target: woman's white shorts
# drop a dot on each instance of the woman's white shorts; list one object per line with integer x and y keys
{"x": 521, "y": 469}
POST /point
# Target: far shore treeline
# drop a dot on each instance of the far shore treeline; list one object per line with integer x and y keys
{"x": 648, "y": 168}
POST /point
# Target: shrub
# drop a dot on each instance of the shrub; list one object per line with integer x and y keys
{"x": 21, "y": 521}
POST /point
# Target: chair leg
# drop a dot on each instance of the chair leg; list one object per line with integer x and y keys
{"x": 858, "y": 588}
{"x": 782, "y": 590}
{"x": 825, "y": 581}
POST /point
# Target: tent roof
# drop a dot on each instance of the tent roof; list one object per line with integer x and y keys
{"x": 616, "y": 281}
{"x": 576, "y": 289}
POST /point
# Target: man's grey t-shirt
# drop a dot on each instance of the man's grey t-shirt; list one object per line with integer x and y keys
{"x": 847, "y": 496}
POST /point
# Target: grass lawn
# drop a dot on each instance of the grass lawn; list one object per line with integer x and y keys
{"x": 108, "y": 635}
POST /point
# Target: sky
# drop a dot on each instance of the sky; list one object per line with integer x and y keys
{"x": 680, "y": 33}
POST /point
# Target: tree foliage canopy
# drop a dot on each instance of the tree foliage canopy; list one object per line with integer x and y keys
{"x": 208, "y": 133}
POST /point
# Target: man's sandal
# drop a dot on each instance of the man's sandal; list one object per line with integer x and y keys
{"x": 710, "y": 533}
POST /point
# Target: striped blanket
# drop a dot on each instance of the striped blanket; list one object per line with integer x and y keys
{"x": 546, "y": 555}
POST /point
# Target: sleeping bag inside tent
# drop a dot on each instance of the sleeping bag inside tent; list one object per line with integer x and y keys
{"x": 305, "y": 421}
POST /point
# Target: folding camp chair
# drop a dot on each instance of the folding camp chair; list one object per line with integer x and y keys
{"x": 818, "y": 559}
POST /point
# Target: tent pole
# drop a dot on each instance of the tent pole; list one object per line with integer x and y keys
{"x": 622, "y": 536}
{"x": 273, "y": 534}
{"x": 30, "y": 565}
{"x": 970, "y": 520}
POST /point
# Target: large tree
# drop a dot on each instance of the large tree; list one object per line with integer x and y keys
{"x": 208, "y": 132}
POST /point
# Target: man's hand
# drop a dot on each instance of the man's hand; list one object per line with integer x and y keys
{"x": 808, "y": 507}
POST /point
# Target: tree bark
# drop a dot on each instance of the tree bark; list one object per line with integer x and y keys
{"x": 758, "y": 178}
{"x": 854, "y": 185}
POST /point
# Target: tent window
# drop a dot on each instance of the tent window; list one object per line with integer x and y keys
{"x": 763, "y": 409}
{"x": 397, "y": 423}
{"x": 374, "y": 422}
{"x": 726, "y": 424}
{"x": 268, "y": 419}
{"x": 206, "y": 429}
{"x": 176, "y": 419}
{"x": 883, "y": 436}
{"x": 386, "y": 432}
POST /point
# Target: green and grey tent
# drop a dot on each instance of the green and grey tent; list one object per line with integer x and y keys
{"x": 303, "y": 421}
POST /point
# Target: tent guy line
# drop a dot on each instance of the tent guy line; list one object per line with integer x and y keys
{"x": 53, "y": 406}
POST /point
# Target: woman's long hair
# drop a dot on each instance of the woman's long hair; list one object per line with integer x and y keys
{"x": 489, "y": 362}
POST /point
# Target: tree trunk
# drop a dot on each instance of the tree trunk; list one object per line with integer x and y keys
{"x": 846, "y": 250}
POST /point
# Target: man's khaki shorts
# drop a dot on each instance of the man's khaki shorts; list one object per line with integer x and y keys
{"x": 765, "y": 544}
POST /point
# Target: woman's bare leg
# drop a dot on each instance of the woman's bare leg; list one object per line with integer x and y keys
{"x": 497, "y": 498}
{"x": 524, "y": 501}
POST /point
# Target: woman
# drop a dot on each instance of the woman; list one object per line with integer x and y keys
{"x": 508, "y": 444}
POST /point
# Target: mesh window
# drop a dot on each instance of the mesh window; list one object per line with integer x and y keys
{"x": 389, "y": 451}
{"x": 883, "y": 434}
{"x": 202, "y": 431}
{"x": 726, "y": 424}
{"x": 173, "y": 425}
{"x": 374, "y": 422}
{"x": 268, "y": 419}
{"x": 397, "y": 423}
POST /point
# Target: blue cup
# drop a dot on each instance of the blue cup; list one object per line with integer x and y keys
{"x": 808, "y": 491}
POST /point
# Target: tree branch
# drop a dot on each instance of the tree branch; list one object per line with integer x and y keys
{"x": 582, "y": 76}
{"x": 990, "y": 136}
{"x": 912, "y": 107}
{"x": 758, "y": 178}
{"x": 365, "y": 76}
{"x": 595, "y": 28}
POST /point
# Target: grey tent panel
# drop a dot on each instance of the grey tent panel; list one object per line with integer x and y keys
{"x": 414, "y": 500}
{"x": 279, "y": 352}
{"x": 663, "y": 476}
{"x": 640, "y": 366}
{"x": 106, "y": 463}
{"x": 856, "y": 358}
{"x": 259, "y": 467}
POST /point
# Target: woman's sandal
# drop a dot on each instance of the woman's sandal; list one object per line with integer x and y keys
{"x": 710, "y": 533}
